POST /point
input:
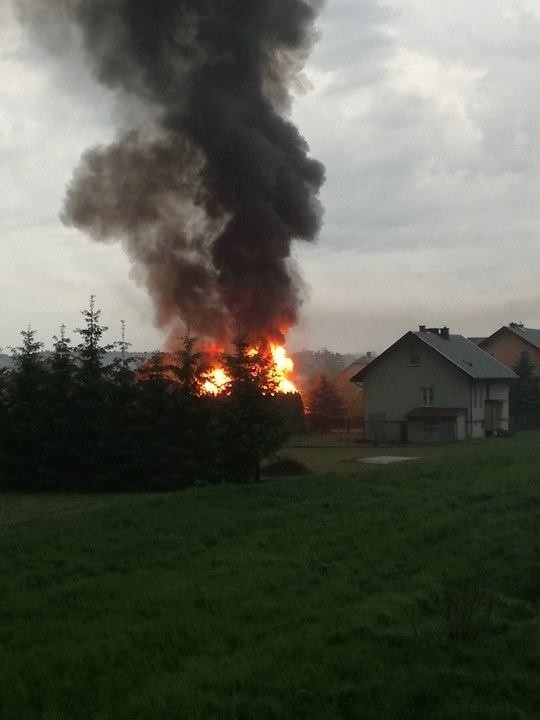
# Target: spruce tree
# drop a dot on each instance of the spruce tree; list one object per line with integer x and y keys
{"x": 60, "y": 462}
{"x": 157, "y": 448}
{"x": 26, "y": 412}
{"x": 92, "y": 395}
{"x": 122, "y": 443}
{"x": 121, "y": 371}
{"x": 62, "y": 363}
{"x": 251, "y": 426}
{"x": 91, "y": 350}
{"x": 188, "y": 368}
{"x": 193, "y": 417}
{"x": 325, "y": 405}
{"x": 3, "y": 416}
{"x": 525, "y": 395}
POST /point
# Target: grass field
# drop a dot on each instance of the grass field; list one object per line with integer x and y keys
{"x": 406, "y": 592}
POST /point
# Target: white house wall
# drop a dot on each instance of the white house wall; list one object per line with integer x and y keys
{"x": 487, "y": 390}
{"x": 500, "y": 391}
{"x": 476, "y": 415}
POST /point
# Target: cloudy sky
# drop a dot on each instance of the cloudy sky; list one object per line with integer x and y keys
{"x": 427, "y": 117}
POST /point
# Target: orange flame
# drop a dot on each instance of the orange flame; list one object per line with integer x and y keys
{"x": 283, "y": 370}
{"x": 216, "y": 379}
{"x": 216, "y": 382}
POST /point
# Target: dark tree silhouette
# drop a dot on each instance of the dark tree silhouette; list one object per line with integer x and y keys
{"x": 251, "y": 426}
{"x": 58, "y": 458}
{"x": 70, "y": 420}
{"x": 325, "y": 405}
{"x": 525, "y": 395}
{"x": 25, "y": 421}
{"x": 91, "y": 397}
{"x": 188, "y": 367}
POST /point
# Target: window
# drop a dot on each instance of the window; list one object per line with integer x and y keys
{"x": 414, "y": 361}
{"x": 427, "y": 397}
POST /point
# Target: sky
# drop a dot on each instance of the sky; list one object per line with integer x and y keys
{"x": 427, "y": 117}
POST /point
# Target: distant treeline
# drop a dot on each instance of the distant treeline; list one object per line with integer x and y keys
{"x": 71, "y": 421}
{"x": 310, "y": 364}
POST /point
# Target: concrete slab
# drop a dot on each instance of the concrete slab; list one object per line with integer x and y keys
{"x": 386, "y": 459}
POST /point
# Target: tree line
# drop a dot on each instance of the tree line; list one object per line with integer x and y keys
{"x": 71, "y": 421}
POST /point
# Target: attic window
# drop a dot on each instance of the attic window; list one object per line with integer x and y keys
{"x": 414, "y": 361}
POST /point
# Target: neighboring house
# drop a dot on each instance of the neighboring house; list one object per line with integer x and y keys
{"x": 431, "y": 386}
{"x": 352, "y": 394}
{"x": 510, "y": 341}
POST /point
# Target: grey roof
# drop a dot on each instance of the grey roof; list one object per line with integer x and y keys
{"x": 529, "y": 334}
{"x": 467, "y": 356}
{"x": 461, "y": 352}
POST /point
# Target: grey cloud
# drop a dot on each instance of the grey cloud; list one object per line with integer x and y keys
{"x": 396, "y": 150}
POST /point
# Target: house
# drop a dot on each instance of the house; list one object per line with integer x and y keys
{"x": 510, "y": 341}
{"x": 431, "y": 386}
{"x": 352, "y": 394}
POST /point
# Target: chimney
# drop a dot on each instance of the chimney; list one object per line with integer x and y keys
{"x": 445, "y": 333}
{"x": 422, "y": 328}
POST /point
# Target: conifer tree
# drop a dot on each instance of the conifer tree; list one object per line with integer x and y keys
{"x": 524, "y": 368}
{"x": 92, "y": 394}
{"x": 525, "y": 395}
{"x": 91, "y": 351}
{"x": 62, "y": 363}
{"x": 251, "y": 427}
{"x": 28, "y": 362}
{"x": 123, "y": 346}
{"x": 188, "y": 367}
{"x": 325, "y": 405}
{"x": 121, "y": 443}
{"x": 3, "y": 402}
{"x": 26, "y": 409}
{"x": 4, "y": 407}
{"x": 59, "y": 460}
{"x": 121, "y": 369}
{"x": 159, "y": 422}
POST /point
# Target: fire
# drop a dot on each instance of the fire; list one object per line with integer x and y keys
{"x": 283, "y": 370}
{"x": 216, "y": 382}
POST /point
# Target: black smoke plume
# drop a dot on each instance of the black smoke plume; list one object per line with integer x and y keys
{"x": 209, "y": 195}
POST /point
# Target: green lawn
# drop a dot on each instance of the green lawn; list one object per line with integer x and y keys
{"x": 405, "y": 592}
